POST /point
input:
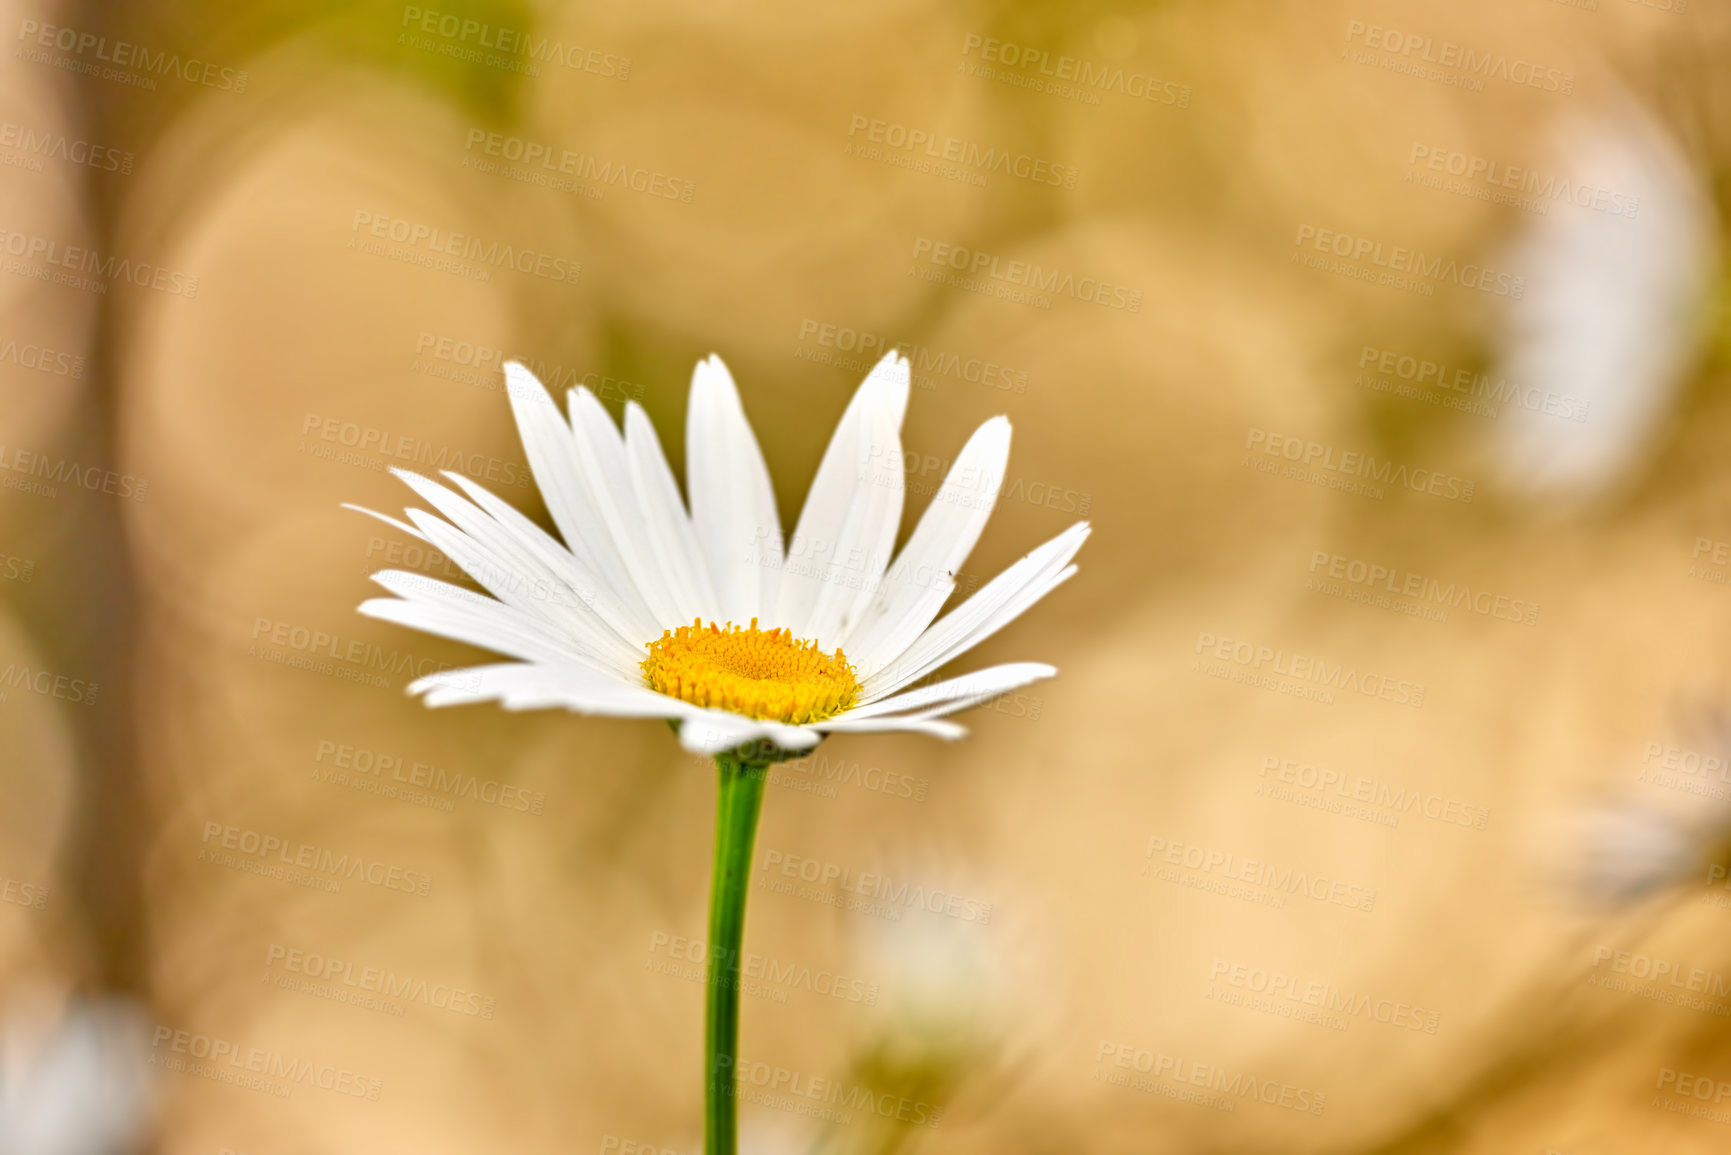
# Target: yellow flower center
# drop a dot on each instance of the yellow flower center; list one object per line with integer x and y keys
{"x": 758, "y": 673}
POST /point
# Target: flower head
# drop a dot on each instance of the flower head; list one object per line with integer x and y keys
{"x": 699, "y": 613}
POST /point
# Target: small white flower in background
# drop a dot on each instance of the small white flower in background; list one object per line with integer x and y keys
{"x": 1614, "y": 306}
{"x": 653, "y": 610}
{"x": 941, "y": 976}
{"x": 1618, "y": 854}
{"x": 1638, "y": 840}
{"x": 75, "y": 1083}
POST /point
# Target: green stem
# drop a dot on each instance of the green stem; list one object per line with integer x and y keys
{"x": 736, "y": 809}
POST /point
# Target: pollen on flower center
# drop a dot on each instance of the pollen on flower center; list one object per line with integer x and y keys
{"x": 759, "y": 673}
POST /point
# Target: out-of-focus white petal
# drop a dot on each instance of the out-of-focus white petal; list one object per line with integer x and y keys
{"x": 1612, "y": 311}
{"x": 78, "y": 1086}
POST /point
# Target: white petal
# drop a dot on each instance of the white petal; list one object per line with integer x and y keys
{"x": 1002, "y": 599}
{"x": 1009, "y": 611}
{"x": 714, "y": 731}
{"x": 957, "y": 693}
{"x": 601, "y": 459}
{"x": 544, "y": 550}
{"x": 812, "y": 552}
{"x": 732, "y": 503}
{"x": 922, "y": 576}
{"x": 387, "y": 519}
{"x": 890, "y": 375}
{"x": 451, "y": 611}
{"x": 665, "y": 520}
{"x": 866, "y": 537}
{"x": 526, "y": 686}
{"x": 501, "y": 549}
{"x": 490, "y": 625}
{"x": 935, "y": 728}
{"x": 420, "y": 587}
{"x": 552, "y": 452}
{"x": 559, "y": 611}
{"x": 508, "y": 565}
{"x": 536, "y": 686}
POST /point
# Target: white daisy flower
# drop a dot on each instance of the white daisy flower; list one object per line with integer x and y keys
{"x": 700, "y": 615}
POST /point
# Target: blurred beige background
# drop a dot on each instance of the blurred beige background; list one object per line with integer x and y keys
{"x": 1386, "y": 341}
